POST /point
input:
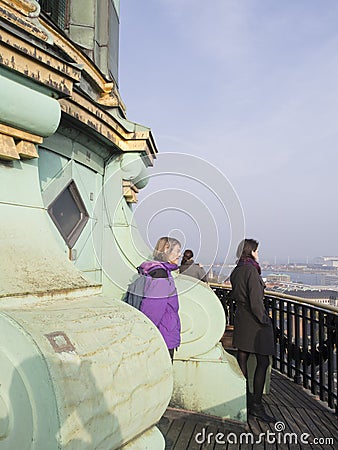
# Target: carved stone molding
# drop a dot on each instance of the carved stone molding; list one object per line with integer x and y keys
{"x": 30, "y": 61}
{"x": 16, "y": 144}
{"x": 103, "y": 123}
{"x": 24, "y": 14}
{"x": 110, "y": 97}
{"x": 25, "y": 7}
{"x": 26, "y": 150}
{"x": 19, "y": 134}
{"x": 130, "y": 191}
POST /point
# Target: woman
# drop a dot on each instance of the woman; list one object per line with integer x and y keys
{"x": 188, "y": 267}
{"x": 160, "y": 301}
{"x": 253, "y": 332}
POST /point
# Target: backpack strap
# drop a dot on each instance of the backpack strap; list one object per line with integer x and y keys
{"x": 156, "y": 267}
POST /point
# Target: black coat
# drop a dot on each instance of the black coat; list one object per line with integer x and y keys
{"x": 193, "y": 270}
{"x": 253, "y": 330}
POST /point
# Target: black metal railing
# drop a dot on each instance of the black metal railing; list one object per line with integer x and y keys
{"x": 306, "y": 339}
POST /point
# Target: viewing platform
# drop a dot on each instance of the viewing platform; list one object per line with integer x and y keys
{"x": 296, "y": 410}
{"x": 303, "y": 388}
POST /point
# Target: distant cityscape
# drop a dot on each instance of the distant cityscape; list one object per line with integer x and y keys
{"x": 316, "y": 280}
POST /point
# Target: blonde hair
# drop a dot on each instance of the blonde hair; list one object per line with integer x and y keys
{"x": 164, "y": 247}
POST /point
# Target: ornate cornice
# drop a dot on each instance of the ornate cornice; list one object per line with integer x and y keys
{"x": 101, "y": 110}
{"x": 20, "y": 135}
{"x": 35, "y": 63}
{"x": 23, "y": 14}
{"x": 24, "y": 7}
{"x": 108, "y": 94}
{"x": 16, "y": 144}
{"x": 130, "y": 191}
{"x": 83, "y": 110}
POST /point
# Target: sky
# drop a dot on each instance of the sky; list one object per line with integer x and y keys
{"x": 248, "y": 89}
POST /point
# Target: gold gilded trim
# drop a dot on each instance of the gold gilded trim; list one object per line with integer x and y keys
{"x": 16, "y": 143}
{"x": 103, "y": 123}
{"x": 27, "y": 150}
{"x": 23, "y": 6}
{"x": 8, "y": 148}
{"x": 108, "y": 92}
{"x": 18, "y": 12}
{"x": 12, "y": 45}
{"x": 18, "y": 134}
{"x": 130, "y": 191}
{"x": 35, "y": 70}
{"x": 64, "y": 44}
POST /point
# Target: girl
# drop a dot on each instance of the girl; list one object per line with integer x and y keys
{"x": 160, "y": 301}
{"x": 253, "y": 332}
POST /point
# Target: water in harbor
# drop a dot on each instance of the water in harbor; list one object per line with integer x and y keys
{"x": 312, "y": 279}
{"x": 306, "y": 278}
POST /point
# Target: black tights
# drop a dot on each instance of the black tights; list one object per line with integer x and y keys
{"x": 260, "y": 372}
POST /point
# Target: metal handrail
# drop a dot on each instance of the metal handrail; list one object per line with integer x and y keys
{"x": 306, "y": 339}
{"x": 281, "y": 295}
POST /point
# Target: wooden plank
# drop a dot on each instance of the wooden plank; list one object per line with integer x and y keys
{"x": 231, "y": 432}
{"x": 287, "y": 387}
{"x": 290, "y": 427}
{"x": 282, "y": 396}
{"x": 186, "y": 436}
{"x": 232, "y": 446}
{"x": 275, "y": 412}
{"x": 211, "y": 432}
{"x": 173, "y": 433}
{"x": 193, "y": 445}
{"x": 305, "y": 427}
{"x": 222, "y": 438}
{"x": 308, "y": 425}
{"x": 263, "y": 431}
{"x": 316, "y": 426}
{"x": 329, "y": 427}
{"x": 290, "y": 397}
{"x": 164, "y": 424}
{"x": 270, "y": 442}
{"x": 297, "y": 394}
{"x": 287, "y": 402}
{"x": 271, "y": 397}
{"x": 254, "y": 426}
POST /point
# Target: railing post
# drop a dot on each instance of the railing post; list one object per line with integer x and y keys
{"x": 321, "y": 359}
{"x": 336, "y": 346}
{"x": 289, "y": 323}
{"x": 313, "y": 339}
{"x": 330, "y": 343}
{"x": 297, "y": 377}
{"x": 272, "y": 302}
{"x": 305, "y": 345}
{"x": 282, "y": 339}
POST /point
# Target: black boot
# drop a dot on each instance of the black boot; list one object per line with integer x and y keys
{"x": 249, "y": 400}
{"x": 258, "y": 410}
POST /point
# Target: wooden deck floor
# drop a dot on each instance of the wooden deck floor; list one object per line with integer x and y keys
{"x": 298, "y": 411}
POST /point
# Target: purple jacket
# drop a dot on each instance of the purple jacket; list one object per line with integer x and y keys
{"x": 160, "y": 302}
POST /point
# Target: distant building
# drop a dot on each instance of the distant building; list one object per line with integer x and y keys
{"x": 331, "y": 261}
{"x": 329, "y": 280}
{"x": 325, "y": 296}
{"x": 278, "y": 278}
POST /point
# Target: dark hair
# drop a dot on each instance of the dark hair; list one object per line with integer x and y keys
{"x": 246, "y": 247}
{"x": 164, "y": 247}
{"x": 188, "y": 254}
